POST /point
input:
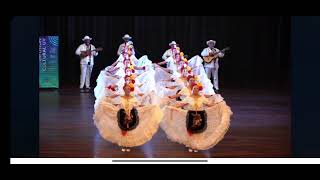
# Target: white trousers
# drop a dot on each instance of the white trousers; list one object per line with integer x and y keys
{"x": 213, "y": 72}
{"x": 85, "y": 74}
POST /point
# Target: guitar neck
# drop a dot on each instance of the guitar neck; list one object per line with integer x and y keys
{"x": 222, "y": 51}
{"x": 93, "y": 50}
{"x": 96, "y": 50}
{"x": 216, "y": 53}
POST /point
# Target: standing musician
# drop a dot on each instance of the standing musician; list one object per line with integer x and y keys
{"x": 211, "y": 57}
{"x": 124, "y": 46}
{"x": 86, "y": 51}
{"x": 174, "y": 49}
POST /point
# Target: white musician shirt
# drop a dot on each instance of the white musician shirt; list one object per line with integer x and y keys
{"x": 206, "y": 52}
{"x": 85, "y": 60}
{"x": 168, "y": 53}
{"x": 123, "y": 47}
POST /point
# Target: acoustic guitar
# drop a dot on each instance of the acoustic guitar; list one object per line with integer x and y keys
{"x": 88, "y": 52}
{"x": 214, "y": 56}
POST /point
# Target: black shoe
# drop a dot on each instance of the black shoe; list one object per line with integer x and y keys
{"x": 81, "y": 90}
{"x": 88, "y": 90}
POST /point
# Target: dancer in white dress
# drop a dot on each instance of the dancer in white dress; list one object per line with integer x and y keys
{"x": 115, "y": 73}
{"x": 106, "y": 79}
{"x": 180, "y": 67}
{"x": 166, "y": 81}
{"x": 146, "y": 76}
{"x": 186, "y": 90}
{"x": 131, "y": 115}
{"x": 170, "y": 80}
{"x": 195, "y": 122}
{"x": 127, "y": 122}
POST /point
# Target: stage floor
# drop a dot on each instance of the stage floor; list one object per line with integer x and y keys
{"x": 260, "y": 127}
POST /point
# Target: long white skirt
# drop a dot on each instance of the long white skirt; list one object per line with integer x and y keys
{"x": 147, "y": 81}
{"x": 103, "y": 81}
{"x": 218, "y": 122}
{"x": 105, "y": 119}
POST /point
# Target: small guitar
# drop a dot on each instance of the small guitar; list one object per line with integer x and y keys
{"x": 88, "y": 52}
{"x": 214, "y": 56}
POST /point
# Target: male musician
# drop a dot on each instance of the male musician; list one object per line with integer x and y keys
{"x": 86, "y": 51}
{"x": 123, "y": 47}
{"x": 212, "y": 67}
{"x": 170, "y": 52}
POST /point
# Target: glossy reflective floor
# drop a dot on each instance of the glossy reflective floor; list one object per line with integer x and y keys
{"x": 260, "y": 127}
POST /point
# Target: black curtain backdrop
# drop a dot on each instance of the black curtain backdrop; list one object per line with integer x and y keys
{"x": 259, "y": 55}
{"x": 23, "y": 71}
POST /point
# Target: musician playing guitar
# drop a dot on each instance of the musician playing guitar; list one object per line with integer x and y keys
{"x": 86, "y": 51}
{"x": 211, "y": 57}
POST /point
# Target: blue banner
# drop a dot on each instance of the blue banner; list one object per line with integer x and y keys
{"x": 49, "y": 62}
